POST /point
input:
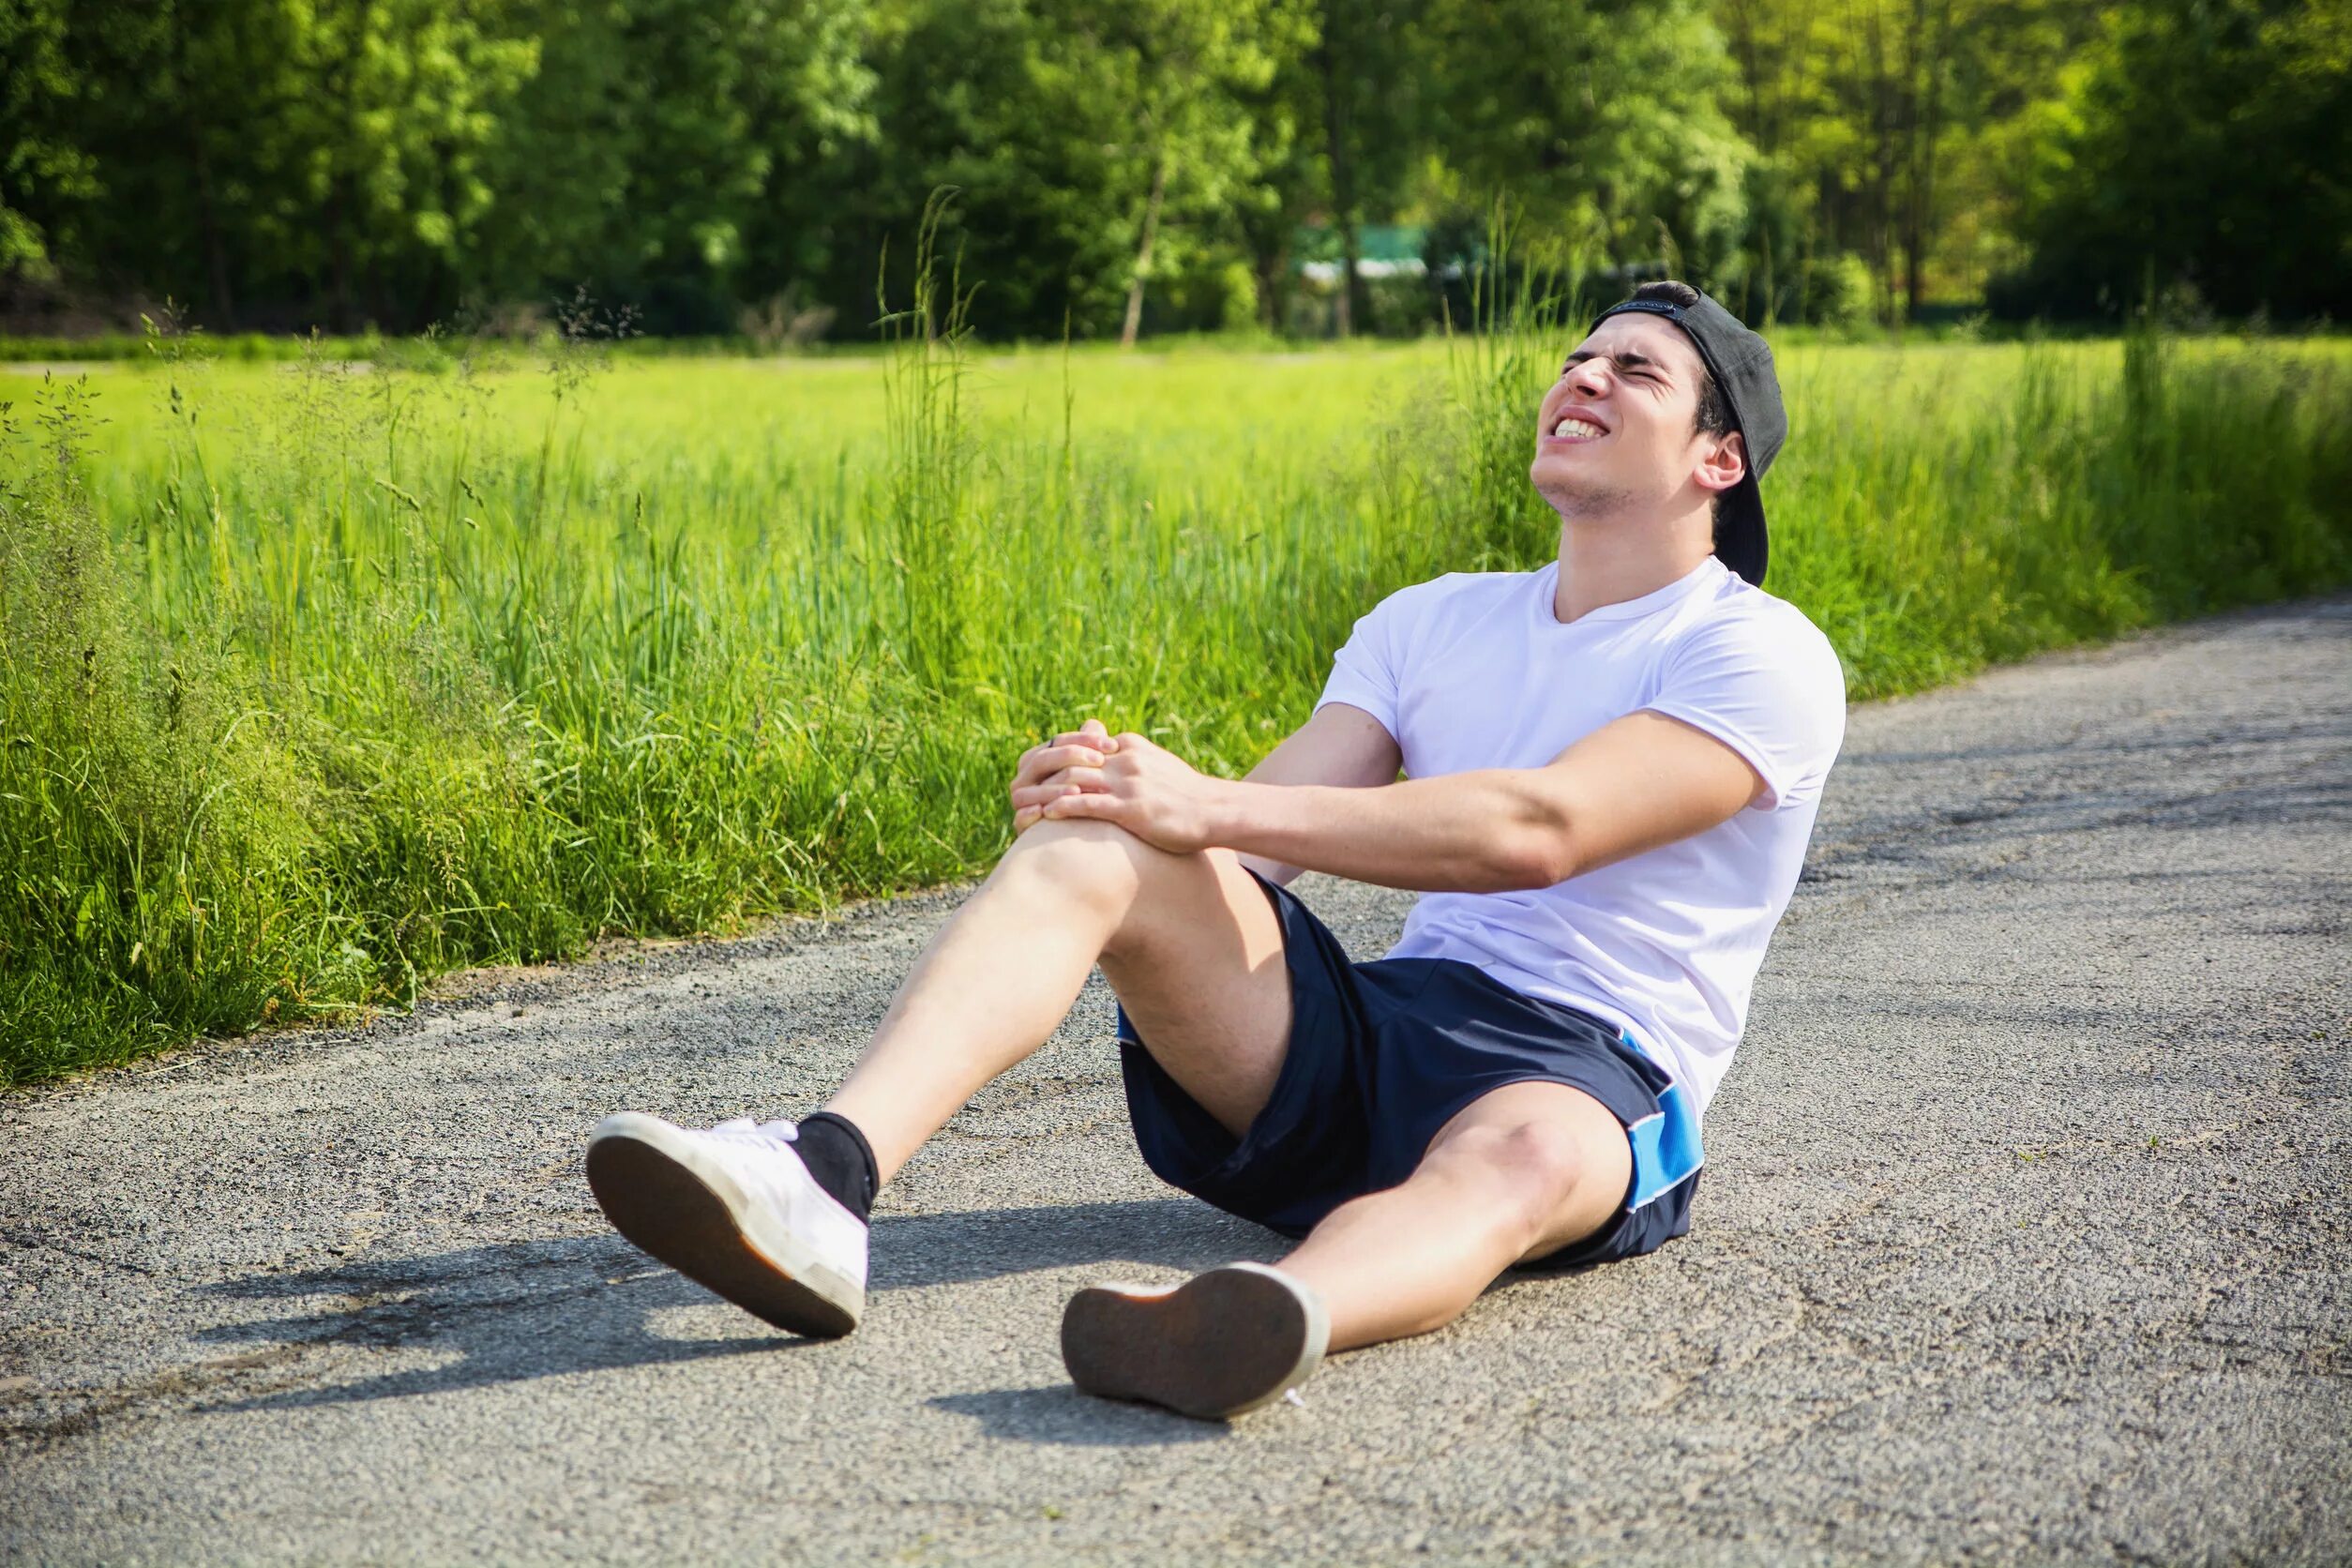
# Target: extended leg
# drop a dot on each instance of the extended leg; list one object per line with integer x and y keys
{"x": 1189, "y": 941}
{"x": 1520, "y": 1173}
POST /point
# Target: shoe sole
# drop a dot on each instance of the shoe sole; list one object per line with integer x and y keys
{"x": 1222, "y": 1343}
{"x": 696, "y": 1220}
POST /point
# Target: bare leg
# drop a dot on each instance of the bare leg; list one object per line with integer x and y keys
{"x": 1520, "y": 1173}
{"x": 1189, "y": 941}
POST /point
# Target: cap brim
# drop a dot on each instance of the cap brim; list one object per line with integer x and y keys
{"x": 1739, "y": 539}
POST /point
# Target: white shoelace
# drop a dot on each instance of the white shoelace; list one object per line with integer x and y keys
{"x": 761, "y": 1156}
{"x": 742, "y": 1129}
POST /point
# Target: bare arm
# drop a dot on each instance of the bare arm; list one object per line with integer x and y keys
{"x": 1340, "y": 747}
{"x": 1632, "y": 785}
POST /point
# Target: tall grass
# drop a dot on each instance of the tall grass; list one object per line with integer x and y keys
{"x": 316, "y": 682}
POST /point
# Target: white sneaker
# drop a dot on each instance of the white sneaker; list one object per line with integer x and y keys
{"x": 1222, "y": 1342}
{"x": 735, "y": 1210}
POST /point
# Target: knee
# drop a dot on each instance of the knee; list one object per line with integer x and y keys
{"x": 1533, "y": 1167}
{"x": 1100, "y": 863}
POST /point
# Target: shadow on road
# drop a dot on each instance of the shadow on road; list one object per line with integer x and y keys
{"x": 516, "y": 1311}
{"x": 915, "y": 1250}
{"x": 490, "y": 1315}
{"x": 1057, "y": 1413}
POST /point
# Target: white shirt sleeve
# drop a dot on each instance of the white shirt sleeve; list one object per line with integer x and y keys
{"x": 1768, "y": 684}
{"x": 1365, "y": 671}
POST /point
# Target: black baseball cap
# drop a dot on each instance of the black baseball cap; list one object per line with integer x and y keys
{"x": 1742, "y": 363}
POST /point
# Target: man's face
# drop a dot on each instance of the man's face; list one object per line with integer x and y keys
{"x": 1617, "y": 431}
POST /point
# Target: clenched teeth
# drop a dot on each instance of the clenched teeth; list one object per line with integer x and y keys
{"x": 1577, "y": 430}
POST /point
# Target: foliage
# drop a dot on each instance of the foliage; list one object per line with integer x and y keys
{"x": 2202, "y": 154}
{"x": 332, "y": 149}
{"x": 1147, "y": 131}
{"x": 1601, "y": 125}
{"x": 739, "y": 166}
{"x": 315, "y": 682}
{"x": 671, "y": 153}
{"x": 39, "y": 165}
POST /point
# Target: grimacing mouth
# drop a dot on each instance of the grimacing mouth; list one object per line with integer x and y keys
{"x": 1576, "y": 428}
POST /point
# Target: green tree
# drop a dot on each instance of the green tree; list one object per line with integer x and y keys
{"x": 2205, "y": 144}
{"x": 1366, "y": 95}
{"x": 320, "y": 156}
{"x": 1889, "y": 129}
{"x": 1602, "y": 126}
{"x": 1851, "y": 99}
{"x": 1100, "y": 151}
{"x": 673, "y": 153}
{"x": 389, "y": 145}
{"x": 42, "y": 166}
{"x": 1290, "y": 187}
{"x": 1182, "y": 69}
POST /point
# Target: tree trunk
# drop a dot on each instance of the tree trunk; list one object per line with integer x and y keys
{"x": 1343, "y": 181}
{"x": 338, "y": 254}
{"x": 1882, "y": 161}
{"x": 1351, "y": 300}
{"x": 1143, "y": 252}
{"x": 208, "y": 206}
{"x": 1919, "y": 210}
{"x": 215, "y": 249}
{"x": 1270, "y": 264}
{"x": 343, "y": 204}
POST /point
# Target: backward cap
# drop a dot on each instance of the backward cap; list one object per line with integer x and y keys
{"x": 1742, "y": 364}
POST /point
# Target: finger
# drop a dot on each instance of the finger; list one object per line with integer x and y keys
{"x": 1045, "y": 761}
{"x": 1027, "y": 795}
{"x": 1052, "y": 790}
{"x": 1039, "y": 796}
{"x": 1080, "y": 803}
{"x": 1027, "y": 817}
{"x": 1093, "y": 733}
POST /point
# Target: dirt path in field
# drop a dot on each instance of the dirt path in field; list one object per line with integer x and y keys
{"x": 2023, "y": 1236}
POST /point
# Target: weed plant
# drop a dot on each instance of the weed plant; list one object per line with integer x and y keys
{"x": 319, "y": 680}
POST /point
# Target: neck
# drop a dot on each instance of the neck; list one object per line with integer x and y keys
{"x": 1605, "y": 561}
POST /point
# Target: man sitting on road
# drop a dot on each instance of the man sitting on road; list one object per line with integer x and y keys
{"x": 1613, "y": 765}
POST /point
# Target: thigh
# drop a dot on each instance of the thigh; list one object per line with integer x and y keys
{"x": 1557, "y": 1147}
{"x": 1199, "y": 967}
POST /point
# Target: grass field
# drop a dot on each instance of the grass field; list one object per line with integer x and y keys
{"x": 319, "y": 680}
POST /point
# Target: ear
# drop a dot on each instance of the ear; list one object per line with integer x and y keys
{"x": 1723, "y": 463}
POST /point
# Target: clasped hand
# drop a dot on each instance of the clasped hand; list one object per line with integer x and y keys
{"x": 1091, "y": 774}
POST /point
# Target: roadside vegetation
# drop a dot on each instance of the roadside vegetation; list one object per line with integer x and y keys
{"x": 316, "y": 680}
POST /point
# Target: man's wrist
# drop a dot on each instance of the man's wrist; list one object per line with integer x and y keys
{"x": 1232, "y": 817}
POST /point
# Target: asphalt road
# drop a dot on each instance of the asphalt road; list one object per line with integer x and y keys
{"x": 2023, "y": 1239}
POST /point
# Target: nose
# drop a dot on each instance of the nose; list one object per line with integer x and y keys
{"x": 1589, "y": 377}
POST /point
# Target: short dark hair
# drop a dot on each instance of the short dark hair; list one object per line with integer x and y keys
{"x": 1714, "y": 414}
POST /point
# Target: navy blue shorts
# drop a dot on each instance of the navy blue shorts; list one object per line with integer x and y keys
{"x": 1381, "y": 1056}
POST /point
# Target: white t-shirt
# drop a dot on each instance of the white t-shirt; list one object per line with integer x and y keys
{"x": 1473, "y": 669}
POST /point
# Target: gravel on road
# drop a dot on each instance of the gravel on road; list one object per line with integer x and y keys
{"x": 2023, "y": 1235}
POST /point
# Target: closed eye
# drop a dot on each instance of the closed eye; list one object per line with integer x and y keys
{"x": 1628, "y": 364}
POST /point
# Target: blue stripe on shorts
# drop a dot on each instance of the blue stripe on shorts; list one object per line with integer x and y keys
{"x": 1666, "y": 1151}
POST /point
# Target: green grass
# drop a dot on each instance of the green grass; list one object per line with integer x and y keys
{"x": 319, "y": 681}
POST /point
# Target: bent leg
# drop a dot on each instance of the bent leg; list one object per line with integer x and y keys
{"x": 1520, "y": 1173}
{"x": 1189, "y": 943}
